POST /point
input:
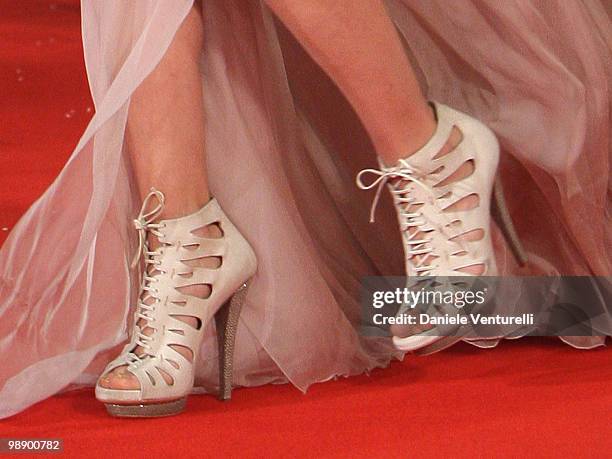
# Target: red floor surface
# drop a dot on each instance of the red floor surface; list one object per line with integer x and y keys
{"x": 533, "y": 398}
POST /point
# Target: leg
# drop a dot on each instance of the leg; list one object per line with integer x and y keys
{"x": 347, "y": 39}
{"x": 356, "y": 43}
{"x": 165, "y": 139}
{"x": 165, "y": 129}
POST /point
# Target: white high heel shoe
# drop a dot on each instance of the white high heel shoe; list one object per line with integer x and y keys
{"x": 165, "y": 375}
{"x": 434, "y": 234}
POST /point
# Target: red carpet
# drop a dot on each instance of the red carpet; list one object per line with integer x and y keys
{"x": 528, "y": 398}
{"x": 533, "y": 398}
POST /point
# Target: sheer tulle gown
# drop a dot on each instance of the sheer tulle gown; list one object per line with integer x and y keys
{"x": 283, "y": 148}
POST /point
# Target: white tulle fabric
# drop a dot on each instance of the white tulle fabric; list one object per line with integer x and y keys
{"x": 283, "y": 149}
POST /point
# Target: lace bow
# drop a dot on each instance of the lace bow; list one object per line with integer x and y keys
{"x": 144, "y": 223}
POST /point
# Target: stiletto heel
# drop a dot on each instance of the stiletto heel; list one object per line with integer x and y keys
{"x": 504, "y": 220}
{"x": 226, "y": 321}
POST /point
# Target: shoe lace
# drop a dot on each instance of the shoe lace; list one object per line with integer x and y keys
{"x": 144, "y": 224}
{"x": 420, "y": 247}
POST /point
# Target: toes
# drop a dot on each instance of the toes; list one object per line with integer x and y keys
{"x": 120, "y": 378}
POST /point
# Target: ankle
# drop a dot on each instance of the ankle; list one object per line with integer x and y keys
{"x": 410, "y": 134}
{"x": 180, "y": 206}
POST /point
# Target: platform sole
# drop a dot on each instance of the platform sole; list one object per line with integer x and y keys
{"x": 149, "y": 410}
